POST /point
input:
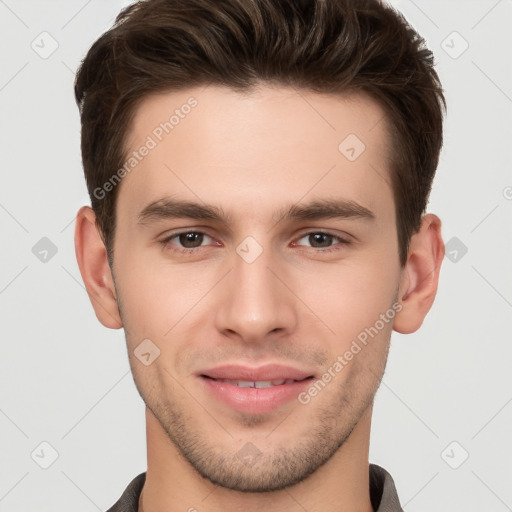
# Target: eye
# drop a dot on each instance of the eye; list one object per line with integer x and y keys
{"x": 189, "y": 241}
{"x": 323, "y": 241}
{"x": 186, "y": 241}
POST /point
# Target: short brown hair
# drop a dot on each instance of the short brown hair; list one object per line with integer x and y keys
{"x": 326, "y": 46}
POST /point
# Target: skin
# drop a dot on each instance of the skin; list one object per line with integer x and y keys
{"x": 253, "y": 155}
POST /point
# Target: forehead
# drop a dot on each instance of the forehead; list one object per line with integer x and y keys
{"x": 214, "y": 144}
{"x": 299, "y": 114}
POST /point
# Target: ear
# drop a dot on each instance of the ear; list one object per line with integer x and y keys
{"x": 420, "y": 276}
{"x": 91, "y": 255}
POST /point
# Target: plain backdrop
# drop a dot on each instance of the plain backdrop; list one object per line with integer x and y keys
{"x": 443, "y": 414}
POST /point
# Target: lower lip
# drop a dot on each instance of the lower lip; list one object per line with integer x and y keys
{"x": 255, "y": 400}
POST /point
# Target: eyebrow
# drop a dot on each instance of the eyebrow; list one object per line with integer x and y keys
{"x": 168, "y": 208}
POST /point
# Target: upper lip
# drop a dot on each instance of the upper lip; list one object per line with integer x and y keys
{"x": 261, "y": 373}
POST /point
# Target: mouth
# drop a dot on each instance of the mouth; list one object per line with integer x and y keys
{"x": 254, "y": 391}
{"x": 260, "y": 384}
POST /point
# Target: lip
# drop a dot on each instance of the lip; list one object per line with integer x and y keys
{"x": 251, "y": 400}
{"x": 266, "y": 372}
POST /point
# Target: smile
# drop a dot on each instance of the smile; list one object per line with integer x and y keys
{"x": 254, "y": 391}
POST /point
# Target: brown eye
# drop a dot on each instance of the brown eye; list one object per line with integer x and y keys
{"x": 320, "y": 240}
{"x": 191, "y": 240}
{"x": 186, "y": 241}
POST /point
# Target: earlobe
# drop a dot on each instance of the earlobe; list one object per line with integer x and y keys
{"x": 92, "y": 260}
{"x": 420, "y": 276}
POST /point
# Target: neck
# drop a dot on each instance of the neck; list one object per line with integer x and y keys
{"x": 342, "y": 483}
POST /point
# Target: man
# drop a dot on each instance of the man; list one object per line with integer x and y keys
{"x": 259, "y": 172}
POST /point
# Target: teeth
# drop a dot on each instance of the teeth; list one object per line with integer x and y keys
{"x": 245, "y": 384}
{"x": 257, "y": 384}
{"x": 263, "y": 384}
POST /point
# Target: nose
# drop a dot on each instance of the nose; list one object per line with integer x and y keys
{"x": 253, "y": 302}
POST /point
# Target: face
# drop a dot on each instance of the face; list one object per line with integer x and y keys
{"x": 252, "y": 248}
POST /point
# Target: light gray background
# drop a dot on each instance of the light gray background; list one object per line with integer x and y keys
{"x": 65, "y": 379}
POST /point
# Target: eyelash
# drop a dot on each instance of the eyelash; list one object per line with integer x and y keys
{"x": 166, "y": 241}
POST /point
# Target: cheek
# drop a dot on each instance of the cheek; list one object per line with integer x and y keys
{"x": 349, "y": 297}
{"x": 157, "y": 295}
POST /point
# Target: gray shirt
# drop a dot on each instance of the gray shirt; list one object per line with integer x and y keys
{"x": 382, "y": 493}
